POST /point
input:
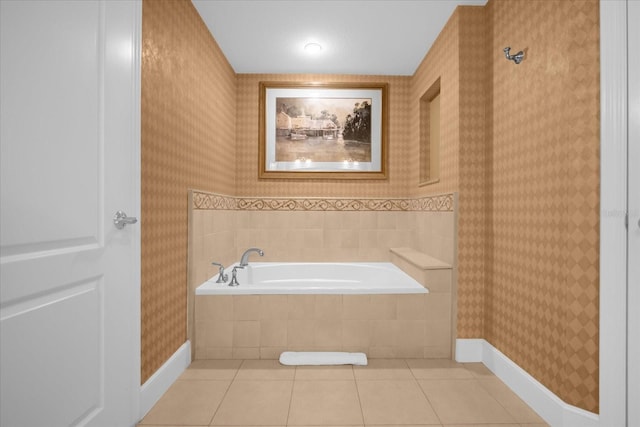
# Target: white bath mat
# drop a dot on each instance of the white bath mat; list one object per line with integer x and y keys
{"x": 322, "y": 358}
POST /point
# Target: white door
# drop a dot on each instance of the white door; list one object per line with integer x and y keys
{"x": 633, "y": 292}
{"x": 69, "y": 295}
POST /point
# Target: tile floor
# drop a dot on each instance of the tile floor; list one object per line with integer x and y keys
{"x": 387, "y": 392}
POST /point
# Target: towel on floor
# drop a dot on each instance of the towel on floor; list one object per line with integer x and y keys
{"x": 322, "y": 358}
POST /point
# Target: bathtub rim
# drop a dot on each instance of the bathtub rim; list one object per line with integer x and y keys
{"x": 209, "y": 287}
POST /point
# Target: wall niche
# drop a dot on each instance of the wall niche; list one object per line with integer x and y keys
{"x": 430, "y": 135}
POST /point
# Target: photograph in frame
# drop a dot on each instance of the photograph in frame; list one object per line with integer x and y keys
{"x": 322, "y": 130}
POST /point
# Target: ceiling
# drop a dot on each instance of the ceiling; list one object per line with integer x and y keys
{"x": 377, "y": 37}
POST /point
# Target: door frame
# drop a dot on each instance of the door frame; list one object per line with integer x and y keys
{"x": 613, "y": 207}
{"x": 633, "y": 180}
{"x": 136, "y": 183}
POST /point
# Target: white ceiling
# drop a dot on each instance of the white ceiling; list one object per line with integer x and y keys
{"x": 382, "y": 37}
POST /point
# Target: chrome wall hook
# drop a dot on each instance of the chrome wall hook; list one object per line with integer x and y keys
{"x": 517, "y": 58}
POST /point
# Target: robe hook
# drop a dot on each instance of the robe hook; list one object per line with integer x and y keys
{"x": 517, "y": 58}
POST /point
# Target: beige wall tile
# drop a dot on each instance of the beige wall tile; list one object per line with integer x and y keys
{"x": 273, "y": 307}
{"x": 273, "y": 333}
{"x": 383, "y": 307}
{"x": 355, "y": 348}
{"x": 410, "y": 352}
{"x": 223, "y": 220}
{"x": 350, "y": 220}
{"x": 328, "y": 307}
{"x": 437, "y": 352}
{"x": 356, "y": 307}
{"x": 373, "y": 254}
{"x": 368, "y": 238}
{"x": 215, "y": 353}
{"x": 409, "y": 333}
{"x": 386, "y": 220}
{"x": 411, "y": 306}
{"x": 271, "y": 352}
{"x": 332, "y": 220}
{"x": 382, "y": 352}
{"x": 245, "y": 353}
{"x": 356, "y": 333}
{"x": 333, "y": 238}
{"x": 209, "y": 307}
{"x": 301, "y": 306}
{"x": 217, "y": 333}
{"x": 328, "y": 334}
{"x": 438, "y": 280}
{"x": 246, "y": 333}
{"x": 246, "y": 307}
{"x": 368, "y": 220}
{"x": 383, "y": 333}
{"x": 438, "y": 334}
{"x": 438, "y": 306}
{"x": 300, "y": 333}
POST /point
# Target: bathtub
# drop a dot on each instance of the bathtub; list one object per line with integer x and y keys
{"x": 263, "y": 278}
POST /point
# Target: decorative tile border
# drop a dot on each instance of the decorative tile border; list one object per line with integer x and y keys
{"x": 213, "y": 201}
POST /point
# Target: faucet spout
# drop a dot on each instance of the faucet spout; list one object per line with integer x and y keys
{"x": 244, "y": 261}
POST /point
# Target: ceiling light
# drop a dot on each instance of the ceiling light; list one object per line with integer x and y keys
{"x": 312, "y": 47}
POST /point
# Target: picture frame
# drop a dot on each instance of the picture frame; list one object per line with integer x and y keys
{"x": 322, "y": 130}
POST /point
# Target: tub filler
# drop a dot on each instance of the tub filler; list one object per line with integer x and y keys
{"x": 369, "y": 307}
{"x": 264, "y": 278}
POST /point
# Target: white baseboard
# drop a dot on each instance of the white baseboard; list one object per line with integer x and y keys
{"x": 153, "y": 389}
{"x": 549, "y": 406}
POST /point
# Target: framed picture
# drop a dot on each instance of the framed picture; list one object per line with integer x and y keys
{"x": 317, "y": 130}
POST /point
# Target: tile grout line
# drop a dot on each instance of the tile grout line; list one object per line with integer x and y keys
{"x": 424, "y": 394}
{"x": 358, "y": 393}
{"x": 225, "y": 393}
{"x": 498, "y": 400}
{"x": 293, "y": 385}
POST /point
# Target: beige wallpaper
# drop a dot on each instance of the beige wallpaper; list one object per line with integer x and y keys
{"x": 458, "y": 58}
{"x": 188, "y": 125}
{"x": 442, "y": 61}
{"x": 523, "y": 154}
{"x": 541, "y": 300}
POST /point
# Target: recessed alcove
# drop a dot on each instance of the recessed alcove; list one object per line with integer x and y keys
{"x": 430, "y": 135}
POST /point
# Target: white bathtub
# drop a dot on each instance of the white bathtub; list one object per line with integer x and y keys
{"x": 261, "y": 278}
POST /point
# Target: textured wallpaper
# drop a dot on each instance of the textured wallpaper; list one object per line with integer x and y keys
{"x": 188, "y": 126}
{"x": 520, "y": 145}
{"x": 459, "y": 59}
{"x": 541, "y": 300}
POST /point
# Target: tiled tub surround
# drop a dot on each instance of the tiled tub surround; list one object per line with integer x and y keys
{"x": 263, "y": 326}
{"x": 321, "y": 230}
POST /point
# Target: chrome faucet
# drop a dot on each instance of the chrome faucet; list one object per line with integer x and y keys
{"x": 222, "y": 278}
{"x": 244, "y": 261}
{"x": 234, "y": 279}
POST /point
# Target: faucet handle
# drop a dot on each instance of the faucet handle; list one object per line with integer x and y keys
{"x": 222, "y": 278}
{"x": 234, "y": 272}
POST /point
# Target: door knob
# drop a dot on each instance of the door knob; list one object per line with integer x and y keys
{"x": 120, "y": 219}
